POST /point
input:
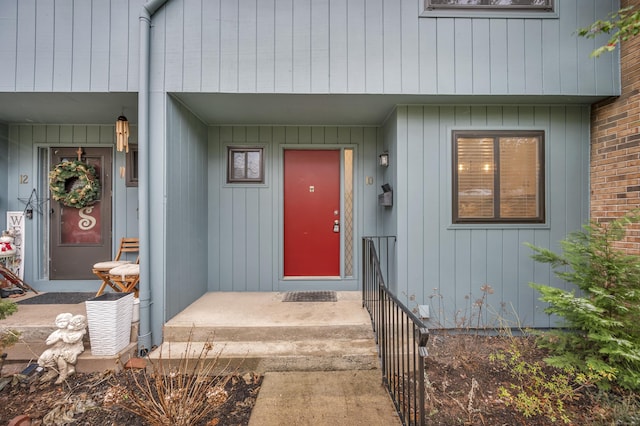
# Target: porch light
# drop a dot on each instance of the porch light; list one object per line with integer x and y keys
{"x": 122, "y": 134}
{"x": 383, "y": 159}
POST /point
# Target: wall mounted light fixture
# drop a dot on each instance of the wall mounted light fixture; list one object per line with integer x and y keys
{"x": 383, "y": 159}
{"x": 122, "y": 134}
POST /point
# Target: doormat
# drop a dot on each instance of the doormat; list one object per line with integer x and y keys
{"x": 310, "y": 296}
{"x": 58, "y": 298}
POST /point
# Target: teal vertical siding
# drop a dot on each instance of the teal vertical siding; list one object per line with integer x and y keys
{"x": 377, "y": 46}
{"x": 65, "y": 45}
{"x": 186, "y": 203}
{"x": 4, "y": 165}
{"x": 8, "y": 49}
{"x": 301, "y": 46}
{"x": 388, "y": 219}
{"x": 446, "y": 265}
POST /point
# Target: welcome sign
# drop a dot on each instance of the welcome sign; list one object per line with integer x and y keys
{"x": 15, "y": 223}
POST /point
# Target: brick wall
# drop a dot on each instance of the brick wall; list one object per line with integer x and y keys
{"x": 615, "y": 145}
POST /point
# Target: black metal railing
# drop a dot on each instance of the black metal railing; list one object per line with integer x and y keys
{"x": 400, "y": 335}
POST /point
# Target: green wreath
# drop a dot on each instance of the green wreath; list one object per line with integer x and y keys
{"x": 74, "y": 183}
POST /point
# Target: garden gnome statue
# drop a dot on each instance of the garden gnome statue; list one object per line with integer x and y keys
{"x": 65, "y": 344}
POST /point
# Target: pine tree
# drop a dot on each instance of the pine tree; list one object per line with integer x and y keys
{"x": 602, "y": 317}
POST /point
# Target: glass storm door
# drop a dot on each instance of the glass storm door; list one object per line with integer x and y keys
{"x": 81, "y": 237}
{"x": 312, "y": 213}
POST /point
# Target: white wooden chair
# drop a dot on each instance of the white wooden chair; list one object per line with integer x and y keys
{"x": 103, "y": 269}
{"x": 126, "y": 278}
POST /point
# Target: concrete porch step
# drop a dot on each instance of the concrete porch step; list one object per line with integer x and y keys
{"x": 267, "y": 333}
{"x": 299, "y": 355}
{"x": 256, "y": 332}
{"x": 21, "y": 355}
{"x": 36, "y": 322}
{"x": 260, "y": 332}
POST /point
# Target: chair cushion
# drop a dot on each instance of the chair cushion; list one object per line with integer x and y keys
{"x": 105, "y": 266}
{"x": 124, "y": 270}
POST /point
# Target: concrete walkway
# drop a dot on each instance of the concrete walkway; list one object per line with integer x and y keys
{"x": 351, "y": 398}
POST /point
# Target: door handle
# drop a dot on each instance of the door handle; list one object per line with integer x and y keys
{"x": 336, "y": 225}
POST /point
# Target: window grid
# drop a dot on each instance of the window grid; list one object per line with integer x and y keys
{"x": 245, "y": 165}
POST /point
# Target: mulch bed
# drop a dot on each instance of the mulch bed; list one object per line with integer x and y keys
{"x": 83, "y": 399}
{"x": 456, "y": 361}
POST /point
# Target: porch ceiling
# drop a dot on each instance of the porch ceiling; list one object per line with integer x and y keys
{"x": 244, "y": 108}
{"x": 334, "y": 109}
{"x": 290, "y": 109}
{"x": 67, "y": 108}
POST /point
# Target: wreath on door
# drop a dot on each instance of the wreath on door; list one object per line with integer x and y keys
{"x": 74, "y": 184}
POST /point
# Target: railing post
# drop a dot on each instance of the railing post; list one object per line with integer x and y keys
{"x": 382, "y": 330}
{"x": 365, "y": 256}
{"x": 422, "y": 336}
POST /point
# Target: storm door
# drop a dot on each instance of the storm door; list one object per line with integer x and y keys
{"x": 80, "y": 237}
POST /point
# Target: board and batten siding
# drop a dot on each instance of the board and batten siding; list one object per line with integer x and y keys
{"x": 185, "y": 250}
{"x": 301, "y": 46}
{"x": 445, "y": 266}
{"x": 4, "y": 158}
{"x": 69, "y": 45}
{"x": 375, "y": 46}
{"x": 23, "y": 143}
{"x": 245, "y": 231}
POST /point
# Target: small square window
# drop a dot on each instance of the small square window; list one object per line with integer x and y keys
{"x": 498, "y": 177}
{"x": 131, "y": 172}
{"x": 245, "y": 165}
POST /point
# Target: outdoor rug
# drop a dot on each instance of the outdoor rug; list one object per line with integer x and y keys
{"x": 310, "y": 296}
{"x": 57, "y": 298}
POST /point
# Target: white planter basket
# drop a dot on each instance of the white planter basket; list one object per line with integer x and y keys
{"x": 109, "y": 317}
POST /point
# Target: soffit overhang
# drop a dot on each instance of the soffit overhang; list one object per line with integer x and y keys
{"x": 246, "y": 108}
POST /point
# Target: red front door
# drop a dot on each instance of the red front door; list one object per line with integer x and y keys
{"x": 311, "y": 213}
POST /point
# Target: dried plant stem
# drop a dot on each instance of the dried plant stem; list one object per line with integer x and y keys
{"x": 179, "y": 395}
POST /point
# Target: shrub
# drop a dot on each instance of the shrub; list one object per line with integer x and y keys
{"x": 7, "y": 337}
{"x": 176, "y": 395}
{"x": 602, "y": 338}
{"x": 532, "y": 392}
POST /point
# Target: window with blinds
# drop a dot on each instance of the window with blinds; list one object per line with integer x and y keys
{"x": 498, "y": 177}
